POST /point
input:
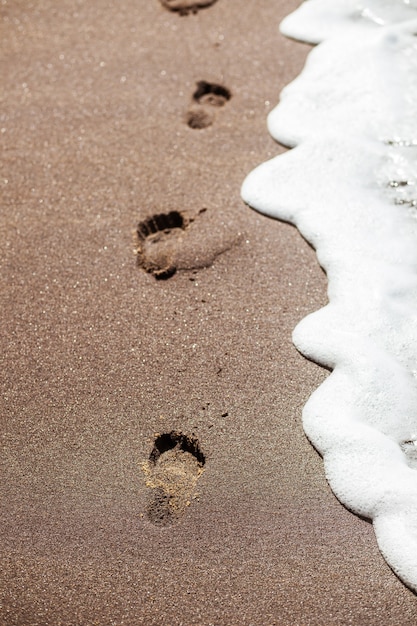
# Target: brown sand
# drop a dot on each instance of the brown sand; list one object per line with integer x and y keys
{"x": 102, "y": 521}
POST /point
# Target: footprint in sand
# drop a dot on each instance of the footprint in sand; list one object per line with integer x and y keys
{"x": 174, "y": 241}
{"x": 174, "y": 467}
{"x": 206, "y": 99}
{"x": 184, "y": 7}
{"x": 158, "y": 238}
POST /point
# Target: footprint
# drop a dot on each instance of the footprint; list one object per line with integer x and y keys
{"x": 206, "y": 98}
{"x": 172, "y": 471}
{"x": 180, "y": 241}
{"x": 158, "y": 236}
{"x": 184, "y": 7}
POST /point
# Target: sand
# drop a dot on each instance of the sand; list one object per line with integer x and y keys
{"x": 154, "y": 467}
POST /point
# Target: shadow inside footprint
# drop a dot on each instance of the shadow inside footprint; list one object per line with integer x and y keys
{"x": 175, "y": 464}
{"x": 157, "y": 238}
{"x": 184, "y": 7}
{"x": 211, "y": 93}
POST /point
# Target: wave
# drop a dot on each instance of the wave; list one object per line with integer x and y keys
{"x": 349, "y": 185}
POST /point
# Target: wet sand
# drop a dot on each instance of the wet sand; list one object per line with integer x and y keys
{"x": 154, "y": 467}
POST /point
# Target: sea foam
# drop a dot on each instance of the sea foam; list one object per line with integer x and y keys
{"x": 350, "y": 186}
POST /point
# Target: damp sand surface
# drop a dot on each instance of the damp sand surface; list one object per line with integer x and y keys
{"x": 99, "y": 358}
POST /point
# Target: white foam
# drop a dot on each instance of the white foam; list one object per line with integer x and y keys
{"x": 350, "y": 186}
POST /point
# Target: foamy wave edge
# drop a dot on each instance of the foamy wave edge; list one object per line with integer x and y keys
{"x": 349, "y": 185}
